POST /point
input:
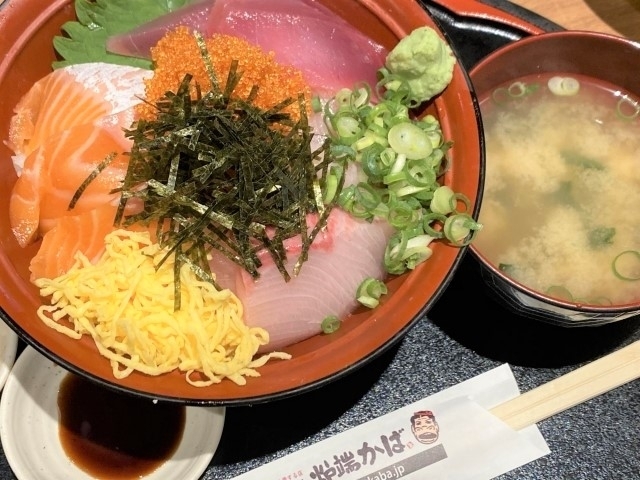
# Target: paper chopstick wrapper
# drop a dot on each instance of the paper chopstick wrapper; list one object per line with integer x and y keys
{"x": 451, "y": 434}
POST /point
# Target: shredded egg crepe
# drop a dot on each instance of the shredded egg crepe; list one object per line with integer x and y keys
{"x": 125, "y": 302}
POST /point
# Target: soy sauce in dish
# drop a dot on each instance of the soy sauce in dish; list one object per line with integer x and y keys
{"x": 114, "y": 436}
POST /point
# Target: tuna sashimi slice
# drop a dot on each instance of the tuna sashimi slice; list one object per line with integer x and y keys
{"x": 332, "y": 53}
{"x": 302, "y": 33}
{"x": 349, "y": 251}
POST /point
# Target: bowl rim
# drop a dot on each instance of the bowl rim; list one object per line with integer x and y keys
{"x": 486, "y": 265}
{"x": 547, "y": 36}
{"x": 410, "y": 284}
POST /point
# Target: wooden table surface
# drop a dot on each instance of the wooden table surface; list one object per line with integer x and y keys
{"x": 620, "y": 17}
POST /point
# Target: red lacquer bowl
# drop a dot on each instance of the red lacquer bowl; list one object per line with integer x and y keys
{"x": 567, "y": 52}
{"x": 26, "y": 53}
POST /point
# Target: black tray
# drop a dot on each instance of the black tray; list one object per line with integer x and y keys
{"x": 466, "y": 333}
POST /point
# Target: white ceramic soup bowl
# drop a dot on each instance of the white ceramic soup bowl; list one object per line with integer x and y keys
{"x": 561, "y": 269}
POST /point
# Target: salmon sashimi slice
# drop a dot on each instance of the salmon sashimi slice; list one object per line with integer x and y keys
{"x": 71, "y": 96}
{"x": 83, "y": 233}
{"x": 55, "y": 171}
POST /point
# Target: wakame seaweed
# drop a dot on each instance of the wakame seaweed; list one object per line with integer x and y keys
{"x": 601, "y": 236}
{"x": 220, "y": 173}
{"x": 582, "y": 161}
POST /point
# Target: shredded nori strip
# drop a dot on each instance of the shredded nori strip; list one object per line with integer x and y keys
{"x": 223, "y": 174}
{"x": 92, "y": 176}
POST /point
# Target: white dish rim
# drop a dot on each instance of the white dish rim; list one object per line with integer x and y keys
{"x": 32, "y": 456}
{"x": 8, "y": 352}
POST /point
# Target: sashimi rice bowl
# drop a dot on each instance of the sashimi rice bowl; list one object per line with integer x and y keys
{"x": 229, "y": 201}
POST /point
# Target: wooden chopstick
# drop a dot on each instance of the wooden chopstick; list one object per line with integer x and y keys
{"x": 580, "y": 385}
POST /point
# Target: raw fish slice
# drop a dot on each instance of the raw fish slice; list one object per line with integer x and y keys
{"x": 84, "y": 232}
{"x": 139, "y": 41}
{"x": 328, "y": 50}
{"x": 303, "y": 33}
{"x": 349, "y": 251}
{"x": 72, "y": 96}
{"x": 57, "y": 169}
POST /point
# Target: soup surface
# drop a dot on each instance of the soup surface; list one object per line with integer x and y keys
{"x": 562, "y": 189}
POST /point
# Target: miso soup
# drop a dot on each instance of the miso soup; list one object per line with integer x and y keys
{"x": 561, "y": 205}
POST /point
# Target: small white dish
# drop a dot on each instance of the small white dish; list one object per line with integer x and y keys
{"x": 29, "y": 428}
{"x": 8, "y": 349}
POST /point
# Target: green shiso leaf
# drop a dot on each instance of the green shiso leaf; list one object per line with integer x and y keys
{"x": 84, "y": 40}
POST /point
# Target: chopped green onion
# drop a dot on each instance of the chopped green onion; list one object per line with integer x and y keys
{"x": 403, "y": 213}
{"x": 316, "y": 104}
{"x": 402, "y": 158}
{"x": 562, "y": 293}
{"x": 563, "y": 86}
{"x": 376, "y": 161}
{"x": 444, "y": 200}
{"x": 407, "y": 249}
{"x": 508, "y": 269}
{"x": 333, "y": 182}
{"x": 502, "y": 95}
{"x": 408, "y": 139}
{"x": 433, "y": 218}
{"x": 396, "y": 87}
{"x": 626, "y": 265}
{"x": 558, "y": 291}
{"x": 600, "y": 301}
{"x": 370, "y": 291}
{"x": 460, "y": 229}
{"x": 517, "y": 89}
{"x": 330, "y": 324}
{"x": 343, "y": 97}
{"x": 461, "y": 197}
{"x": 369, "y": 139}
{"x": 360, "y": 200}
{"x": 348, "y": 128}
{"x": 627, "y": 108}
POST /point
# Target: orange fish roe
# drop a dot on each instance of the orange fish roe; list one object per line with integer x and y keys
{"x": 177, "y": 54}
